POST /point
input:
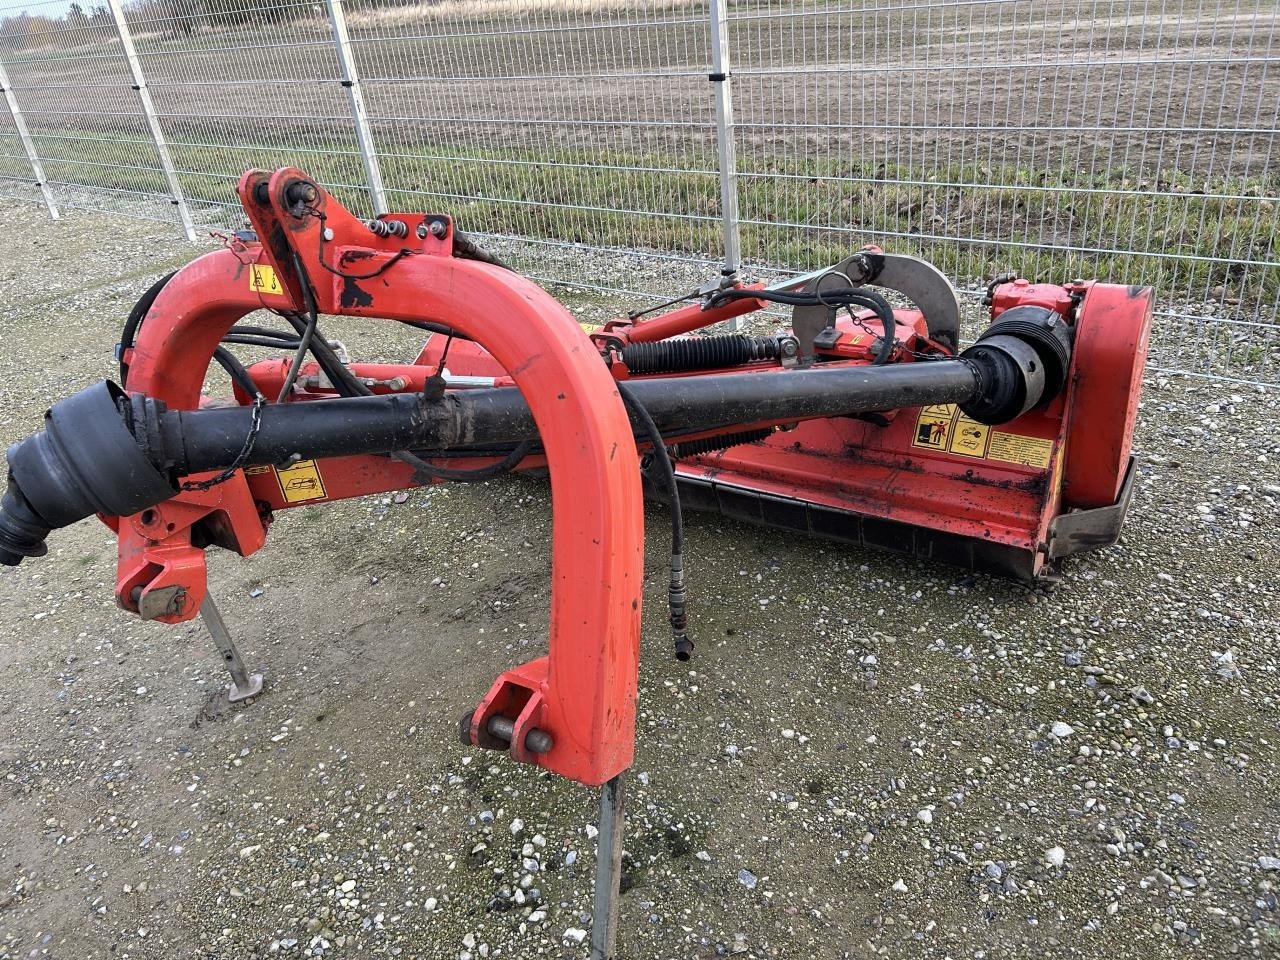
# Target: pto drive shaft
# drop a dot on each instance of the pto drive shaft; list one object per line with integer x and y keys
{"x": 104, "y": 452}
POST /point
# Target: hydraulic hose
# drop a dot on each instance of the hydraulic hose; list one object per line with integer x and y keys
{"x": 676, "y": 594}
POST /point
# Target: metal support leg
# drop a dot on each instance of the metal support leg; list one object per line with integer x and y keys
{"x": 359, "y": 115}
{"x": 177, "y": 197}
{"x": 604, "y": 920}
{"x": 243, "y": 684}
{"x": 20, "y": 124}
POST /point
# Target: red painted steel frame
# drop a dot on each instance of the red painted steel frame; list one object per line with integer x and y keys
{"x": 583, "y": 692}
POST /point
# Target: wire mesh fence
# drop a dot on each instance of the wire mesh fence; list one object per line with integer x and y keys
{"x": 628, "y": 147}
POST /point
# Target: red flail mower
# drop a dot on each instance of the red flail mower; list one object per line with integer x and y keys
{"x": 863, "y": 423}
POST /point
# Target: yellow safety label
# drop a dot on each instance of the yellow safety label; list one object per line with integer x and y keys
{"x": 944, "y": 428}
{"x": 301, "y": 482}
{"x": 968, "y": 438}
{"x": 254, "y": 471}
{"x": 1016, "y": 448}
{"x": 590, "y": 327}
{"x": 263, "y": 279}
{"x": 933, "y": 426}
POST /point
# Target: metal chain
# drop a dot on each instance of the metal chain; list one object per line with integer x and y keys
{"x": 241, "y": 458}
{"x": 861, "y": 324}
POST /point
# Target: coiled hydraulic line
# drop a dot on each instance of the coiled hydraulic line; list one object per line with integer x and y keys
{"x": 698, "y": 353}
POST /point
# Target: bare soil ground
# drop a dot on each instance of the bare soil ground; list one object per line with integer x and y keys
{"x": 868, "y": 757}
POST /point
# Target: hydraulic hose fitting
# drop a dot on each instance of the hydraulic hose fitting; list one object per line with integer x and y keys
{"x": 388, "y": 228}
{"x": 676, "y": 600}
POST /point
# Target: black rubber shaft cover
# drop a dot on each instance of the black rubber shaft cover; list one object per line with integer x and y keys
{"x": 85, "y": 461}
{"x": 1045, "y": 332}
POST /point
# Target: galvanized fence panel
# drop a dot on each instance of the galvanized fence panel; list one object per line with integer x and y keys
{"x": 22, "y": 174}
{"x": 247, "y": 83}
{"x": 579, "y": 138}
{"x": 73, "y": 85}
{"x": 1129, "y": 141}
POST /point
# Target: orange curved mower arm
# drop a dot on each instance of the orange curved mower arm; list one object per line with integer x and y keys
{"x": 583, "y": 693}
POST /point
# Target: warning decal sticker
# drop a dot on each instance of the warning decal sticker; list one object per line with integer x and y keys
{"x": 944, "y": 428}
{"x": 263, "y": 279}
{"x": 301, "y": 482}
{"x": 933, "y": 426}
{"x": 968, "y": 437}
{"x": 1015, "y": 448}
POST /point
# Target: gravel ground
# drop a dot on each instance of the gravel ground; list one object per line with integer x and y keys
{"x": 868, "y": 756}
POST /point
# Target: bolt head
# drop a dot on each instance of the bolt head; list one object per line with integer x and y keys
{"x": 438, "y": 228}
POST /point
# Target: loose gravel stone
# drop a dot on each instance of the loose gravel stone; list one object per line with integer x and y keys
{"x": 906, "y": 685}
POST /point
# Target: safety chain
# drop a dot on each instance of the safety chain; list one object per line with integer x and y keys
{"x": 241, "y": 458}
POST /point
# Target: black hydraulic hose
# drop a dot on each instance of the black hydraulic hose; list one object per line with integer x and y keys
{"x": 841, "y": 297}
{"x": 129, "y": 335}
{"x": 251, "y": 330}
{"x": 304, "y": 347}
{"x": 227, "y": 360}
{"x": 432, "y": 327}
{"x": 467, "y": 249}
{"x": 271, "y": 343}
{"x": 676, "y": 595}
{"x": 130, "y": 331}
{"x": 505, "y": 465}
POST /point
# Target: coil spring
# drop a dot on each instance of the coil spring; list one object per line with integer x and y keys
{"x": 388, "y": 228}
{"x": 698, "y": 353}
{"x": 692, "y": 448}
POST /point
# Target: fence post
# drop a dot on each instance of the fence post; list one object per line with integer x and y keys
{"x": 721, "y": 76}
{"x": 20, "y": 124}
{"x": 351, "y": 80}
{"x": 149, "y": 113}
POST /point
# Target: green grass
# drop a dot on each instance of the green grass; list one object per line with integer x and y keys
{"x": 1175, "y": 231}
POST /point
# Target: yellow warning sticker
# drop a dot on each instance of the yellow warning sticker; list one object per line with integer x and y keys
{"x": 590, "y": 328}
{"x": 263, "y": 279}
{"x": 254, "y": 471}
{"x": 944, "y": 428}
{"x": 968, "y": 438}
{"x": 1015, "y": 448}
{"x": 933, "y": 426}
{"x": 301, "y": 482}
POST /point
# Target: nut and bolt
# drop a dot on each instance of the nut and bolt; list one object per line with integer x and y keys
{"x": 388, "y": 228}
{"x": 436, "y": 228}
{"x": 301, "y": 192}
